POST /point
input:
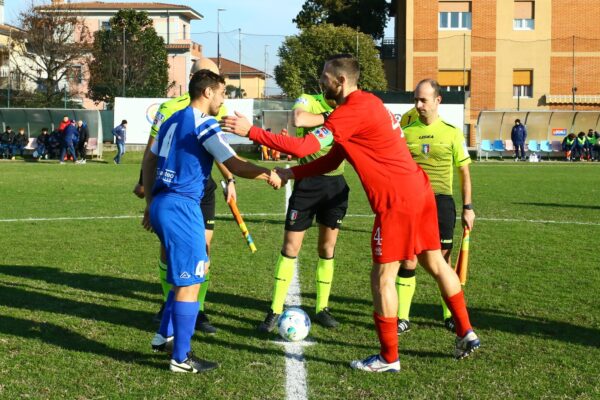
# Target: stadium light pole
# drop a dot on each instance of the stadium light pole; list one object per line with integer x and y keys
{"x": 219, "y": 37}
{"x": 123, "y": 58}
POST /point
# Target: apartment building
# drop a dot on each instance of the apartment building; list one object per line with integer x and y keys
{"x": 505, "y": 54}
{"x": 170, "y": 21}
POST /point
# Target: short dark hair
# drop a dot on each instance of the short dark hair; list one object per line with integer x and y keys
{"x": 437, "y": 90}
{"x": 517, "y": 120}
{"x": 203, "y": 79}
{"x": 124, "y": 122}
{"x": 44, "y": 129}
{"x": 345, "y": 63}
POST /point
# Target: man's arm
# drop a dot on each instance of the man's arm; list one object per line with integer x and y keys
{"x": 322, "y": 165}
{"x": 148, "y": 176}
{"x": 468, "y": 216}
{"x": 305, "y": 119}
{"x": 228, "y": 176}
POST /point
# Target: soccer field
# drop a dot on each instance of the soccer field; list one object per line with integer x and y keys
{"x": 79, "y": 288}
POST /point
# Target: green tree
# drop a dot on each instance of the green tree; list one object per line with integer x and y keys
{"x": 129, "y": 59}
{"x": 233, "y": 92}
{"x": 368, "y": 16}
{"x": 303, "y": 56}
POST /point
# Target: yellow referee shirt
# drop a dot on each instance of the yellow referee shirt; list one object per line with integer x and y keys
{"x": 437, "y": 148}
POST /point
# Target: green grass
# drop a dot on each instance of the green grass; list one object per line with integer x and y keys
{"x": 77, "y": 296}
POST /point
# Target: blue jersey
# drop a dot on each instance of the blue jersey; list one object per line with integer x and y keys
{"x": 187, "y": 144}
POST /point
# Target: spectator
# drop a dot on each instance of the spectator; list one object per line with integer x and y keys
{"x": 568, "y": 144}
{"x": 19, "y": 143}
{"x": 63, "y": 124}
{"x": 591, "y": 141}
{"x": 54, "y": 144}
{"x": 42, "y": 144}
{"x": 580, "y": 148}
{"x": 120, "y": 133}
{"x": 518, "y": 136}
{"x": 596, "y": 146}
{"x": 69, "y": 133}
{"x": 84, "y": 135}
{"x": 6, "y": 141}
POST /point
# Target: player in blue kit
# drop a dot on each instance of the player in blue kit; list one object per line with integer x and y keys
{"x": 175, "y": 173}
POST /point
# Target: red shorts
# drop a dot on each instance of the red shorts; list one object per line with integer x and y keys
{"x": 404, "y": 231}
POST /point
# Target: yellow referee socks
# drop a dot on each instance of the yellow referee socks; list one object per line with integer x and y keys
{"x": 445, "y": 310}
{"x": 162, "y": 275}
{"x": 203, "y": 290}
{"x": 405, "y": 285}
{"x": 324, "y": 279}
{"x": 284, "y": 272}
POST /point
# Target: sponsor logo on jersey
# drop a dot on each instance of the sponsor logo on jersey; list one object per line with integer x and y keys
{"x": 321, "y": 133}
{"x": 426, "y": 137}
{"x": 378, "y": 251}
{"x": 301, "y": 100}
{"x": 158, "y": 120}
{"x": 425, "y": 149}
{"x": 185, "y": 275}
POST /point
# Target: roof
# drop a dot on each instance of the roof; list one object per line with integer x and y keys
{"x": 229, "y": 67}
{"x": 5, "y": 29}
{"x": 91, "y": 6}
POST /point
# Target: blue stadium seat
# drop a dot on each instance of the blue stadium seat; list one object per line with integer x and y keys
{"x": 546, "y": 147}
{"x": 499, "y": 147}
{"x": 486, "y": 147}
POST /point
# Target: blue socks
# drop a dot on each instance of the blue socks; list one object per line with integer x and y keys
{"x": 184, "y": 321}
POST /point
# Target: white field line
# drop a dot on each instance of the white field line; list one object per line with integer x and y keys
{"x": 533, "y": 221}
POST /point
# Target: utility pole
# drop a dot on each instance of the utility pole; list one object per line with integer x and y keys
{"x": 574, "y": 88}
{"x": 123, "y": 58}
{"x": 8, "y": 80}
{"x": 266, "y": 68}
{"x": 219, "y": 37}
{"x": 240, "y": 60}
{"x": 65, "y": 90}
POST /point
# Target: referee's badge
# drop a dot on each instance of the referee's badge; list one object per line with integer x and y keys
{"x": 425, "y": 149}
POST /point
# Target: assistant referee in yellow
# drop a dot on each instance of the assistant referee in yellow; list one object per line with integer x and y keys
{"x": 437, "y": 147}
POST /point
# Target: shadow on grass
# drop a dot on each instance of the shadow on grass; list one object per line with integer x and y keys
{"x": 559, "y": 205}
{"x": 64, "y": 338}
{"x": 89, "y": 282}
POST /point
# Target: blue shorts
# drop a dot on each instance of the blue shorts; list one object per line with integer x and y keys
{"x": 179, "y": 225}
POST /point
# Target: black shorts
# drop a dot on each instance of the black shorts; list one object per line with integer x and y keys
{"x": 207, "y": 204}
{"x": 325, "y": 197}
{"x": 446, "y": 212}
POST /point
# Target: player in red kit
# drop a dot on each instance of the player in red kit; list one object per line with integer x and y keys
{"x": 369, "y": 137}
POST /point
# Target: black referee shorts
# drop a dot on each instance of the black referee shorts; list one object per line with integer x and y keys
{"x": 207, "y": 204}
{"x": 325, "y": 197}
{"x": 446, "y": 212}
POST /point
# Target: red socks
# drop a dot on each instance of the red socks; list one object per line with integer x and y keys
{"x": 387, "y": 331}
{"x": 458, "y": 308}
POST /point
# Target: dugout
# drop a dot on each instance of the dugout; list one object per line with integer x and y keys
{"x": 542, "y": 127}
{"x": 34, "y": 119}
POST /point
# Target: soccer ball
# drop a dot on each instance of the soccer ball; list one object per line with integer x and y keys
{"x": 293, "y": 325}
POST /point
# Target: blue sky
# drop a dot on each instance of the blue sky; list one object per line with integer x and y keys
{"x": 264, "y": 25}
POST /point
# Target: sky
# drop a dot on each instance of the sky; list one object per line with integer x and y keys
{"x": 263, "y": 23}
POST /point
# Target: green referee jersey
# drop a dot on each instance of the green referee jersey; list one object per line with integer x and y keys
{"x": 316, "y": 104}
{"x": 170, "y": 107}
{"x": 437, "y": 148}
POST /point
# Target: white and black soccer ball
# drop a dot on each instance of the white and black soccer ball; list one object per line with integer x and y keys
{"x": 293, "y": 325}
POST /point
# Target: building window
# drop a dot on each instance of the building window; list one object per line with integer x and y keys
{"x": 455, "y": 15}
{"x": 184, "y": 31}
{"x": 454, "y": 80}
{"x": 524, "y": 16}
{"x": 105, "y": 26}
{"x": 74, "y": 74}
{"x": 522, "y": 83}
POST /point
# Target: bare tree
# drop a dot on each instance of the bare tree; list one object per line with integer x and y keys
{"x": 54, "y": 39}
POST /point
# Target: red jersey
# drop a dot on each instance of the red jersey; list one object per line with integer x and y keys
{"x": 368, "y": 135}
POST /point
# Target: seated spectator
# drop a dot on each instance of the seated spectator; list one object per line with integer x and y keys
{"x": 43, "y": 144}
{"x": 568, "y": 144}
{"x": 596, "y": 146}
{"x": 54, "y": 144}
{"x": 6, "y": 141}
{"x": 19, "y": 143}
{"x": 580, "y": 148}
{"x": 591, "y": 141}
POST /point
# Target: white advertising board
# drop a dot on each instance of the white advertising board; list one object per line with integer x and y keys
{"x": 139, "y": 113}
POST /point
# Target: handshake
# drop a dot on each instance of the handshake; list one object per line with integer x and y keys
{"x": 279, "y": 177}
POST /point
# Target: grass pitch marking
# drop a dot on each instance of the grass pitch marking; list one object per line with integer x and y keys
{"x": 92, "y": 218}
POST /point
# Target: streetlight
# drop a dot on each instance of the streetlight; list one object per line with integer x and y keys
{"x": 219, "y": 37}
